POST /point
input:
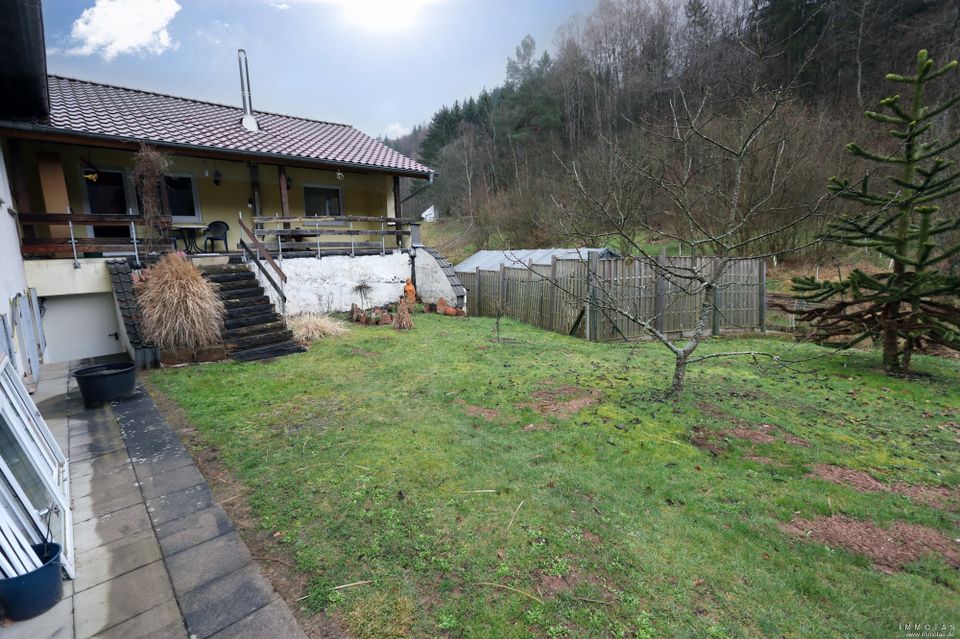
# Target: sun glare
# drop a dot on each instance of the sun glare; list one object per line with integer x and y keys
{"x": 384, "y": 15}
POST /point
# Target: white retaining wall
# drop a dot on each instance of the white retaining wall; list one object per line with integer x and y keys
{"x": 329, "y": 284}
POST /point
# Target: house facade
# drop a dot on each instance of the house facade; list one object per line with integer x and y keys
{"x": 242, "y": 185}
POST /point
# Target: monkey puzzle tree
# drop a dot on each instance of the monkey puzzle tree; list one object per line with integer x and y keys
{"x": 915, "y": 302}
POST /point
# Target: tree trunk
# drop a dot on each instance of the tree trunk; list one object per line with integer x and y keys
{"x": 679, "y": 376}
{"x": 891, "y": 340}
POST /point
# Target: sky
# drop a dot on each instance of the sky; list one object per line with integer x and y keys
{"x": 380, "y": 65}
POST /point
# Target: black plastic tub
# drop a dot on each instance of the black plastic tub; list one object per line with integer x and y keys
{"x": 26, "y": 596}
{"x": 105, "y": 382}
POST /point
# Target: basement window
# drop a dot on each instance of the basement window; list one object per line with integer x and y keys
{"x": 322, "y": 200}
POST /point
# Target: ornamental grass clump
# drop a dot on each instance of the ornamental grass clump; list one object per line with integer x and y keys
{"x": 179, "y": 308}
{"x": 312, "y": 327}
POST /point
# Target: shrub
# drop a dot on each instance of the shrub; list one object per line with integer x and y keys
{"x": 179, "y": 308}
{"x": 311, "y": 327}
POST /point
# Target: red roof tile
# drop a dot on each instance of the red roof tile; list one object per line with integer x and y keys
{"x": 83, "y": 107}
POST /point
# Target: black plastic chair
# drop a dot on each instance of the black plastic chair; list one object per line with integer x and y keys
{"x": 216, "y": 231}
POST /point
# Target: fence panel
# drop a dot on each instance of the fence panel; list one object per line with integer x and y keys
{"x": 625, "y": 292}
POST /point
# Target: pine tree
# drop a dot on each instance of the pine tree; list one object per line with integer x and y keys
{"x": 916, "y": 302}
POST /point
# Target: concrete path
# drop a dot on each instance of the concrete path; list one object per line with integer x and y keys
{"x": 156, "y": 557}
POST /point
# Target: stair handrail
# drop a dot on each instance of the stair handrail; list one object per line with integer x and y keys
{"x": 261, "y": 249}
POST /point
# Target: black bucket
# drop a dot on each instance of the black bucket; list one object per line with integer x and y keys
{"x": 105, "y": 382}
{"x": 28, "y": 595}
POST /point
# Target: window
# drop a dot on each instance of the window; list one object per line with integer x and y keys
{"x": 181, "y": 198}
{"x": 107, "y": 195}
{"x": 321, "y": 200}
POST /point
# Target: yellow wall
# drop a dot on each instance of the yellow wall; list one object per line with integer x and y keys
{"x": 363, "y": 194}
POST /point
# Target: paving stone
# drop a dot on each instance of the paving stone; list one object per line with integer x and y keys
{"x": 115, "y": 601}
{"x": 56, "y": 623}
{"x": 223, "y": 602}
{"x": 103, "y": 530}
{"x": 180, "y": 534}
{"x": 161, "y": 622}
{"x": 102, "y": 465}
{"x": 273, "y": 620}
{"x": 179, "y": 504}
{"x": 171, "y": 481}
{"x": 103, "y": 501}
{"x": 97, "y": 565}
{"x": 121, "y": 475}
{"x": 91, "y": 451}
{"x": 205, "y": 562}
{"x": 161, "y": 463}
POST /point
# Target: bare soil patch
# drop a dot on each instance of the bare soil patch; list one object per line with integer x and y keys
{"x": 749, "y": 434}
{"x": 265, "y": 547}
{"x": 890, "y": 549}
{"x": 562, "y": 401}
{"x": 706, "y": 440}
{"x": 745, "y": 429}
{"x": 488, "y": 414}
{"x": 935, "y": 496}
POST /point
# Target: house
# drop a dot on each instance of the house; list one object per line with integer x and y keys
{"x": 312, "y": 207}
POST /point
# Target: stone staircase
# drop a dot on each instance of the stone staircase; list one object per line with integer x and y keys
{"x": 252, "y": 329}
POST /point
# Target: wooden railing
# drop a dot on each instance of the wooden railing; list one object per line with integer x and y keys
{"x": 291, "y": 233}
{"x": 78, "y": 246}
{"x": 254, "y": 255}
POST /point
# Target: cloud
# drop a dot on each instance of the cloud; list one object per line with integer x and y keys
{"x": 116, "y": 27}
{"x": 396, "y": 130}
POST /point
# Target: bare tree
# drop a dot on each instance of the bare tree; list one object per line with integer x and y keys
{"x": 715, "y": 175}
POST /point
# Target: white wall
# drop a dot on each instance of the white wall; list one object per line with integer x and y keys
{"x": 327, "y": 284}
{"x": 432, "y": 283}
{"x": 12, "y": 278}
{"x": 79, "y": 326}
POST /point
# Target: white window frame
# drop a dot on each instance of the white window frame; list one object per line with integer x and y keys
{"x": 334, "y": 187}
{"x": 198, "y": 216}
{"x": 45, "y": 455}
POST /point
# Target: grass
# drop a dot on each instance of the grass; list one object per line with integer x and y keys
{"x": 402, "y": 458}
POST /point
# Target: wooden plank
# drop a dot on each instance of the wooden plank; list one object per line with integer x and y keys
{"x": 316, "y": 219}
{"x": 78, "y": 218}
{"x": 320, "y": 232}
{"x": 262, "y": 250}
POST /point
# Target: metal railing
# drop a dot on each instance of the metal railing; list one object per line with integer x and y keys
{"x": 71, "y": 243}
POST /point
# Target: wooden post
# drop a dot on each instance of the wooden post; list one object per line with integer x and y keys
{"x": 762, "y": 297}
{"x": 593, "y": 309}
{"x": 553, "y": 294}
{"x": 501, "y": 287}
{"x": 255, "y": 188}
{"x": 659, "y": 303}
{"x": 715, "y": 329}
{"x": 478, "y": 305}
{"x": 284, "y": 199}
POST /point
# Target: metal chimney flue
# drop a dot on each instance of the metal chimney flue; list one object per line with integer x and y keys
{"x": 248, "y": 121}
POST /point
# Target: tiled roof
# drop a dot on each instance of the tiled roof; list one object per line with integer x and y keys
{"x": 97, "y": 109}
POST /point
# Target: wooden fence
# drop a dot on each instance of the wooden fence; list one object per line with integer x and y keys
{"x": 593, "y": 298}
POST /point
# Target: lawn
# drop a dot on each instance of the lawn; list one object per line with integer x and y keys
{"x": 539, "y": 487}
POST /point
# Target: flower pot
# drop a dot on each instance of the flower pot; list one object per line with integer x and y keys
{"x": 105, "y": 382}
{"x": 28, "y": 595}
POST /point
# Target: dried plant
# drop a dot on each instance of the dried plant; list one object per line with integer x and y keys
{"x": 312, "y": 327}
{"x": 402, "y": 321}
{"x": 179, "y": 308}
{"x": 150, "y": 166}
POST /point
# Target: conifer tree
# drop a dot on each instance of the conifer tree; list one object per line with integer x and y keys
{"x": 915, "y": 302}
